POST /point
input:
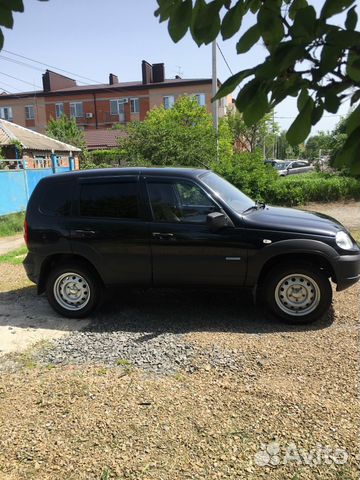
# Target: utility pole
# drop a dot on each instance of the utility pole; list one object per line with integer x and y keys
{"x": 215, "y": 104}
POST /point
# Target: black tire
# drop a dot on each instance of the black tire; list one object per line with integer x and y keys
{"x": 73, "y": 290}
{"x": 298, "y": 293}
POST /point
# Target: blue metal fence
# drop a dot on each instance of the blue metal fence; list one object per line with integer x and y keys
{"x": 16, "y": 186}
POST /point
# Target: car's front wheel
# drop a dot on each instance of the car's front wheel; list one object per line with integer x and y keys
{"x": 298, "y": 294}
{"x": 73, "y": 290}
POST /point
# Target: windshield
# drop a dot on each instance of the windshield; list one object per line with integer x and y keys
{"x": 233, "y": 197}
{"x": 280, "y": 166}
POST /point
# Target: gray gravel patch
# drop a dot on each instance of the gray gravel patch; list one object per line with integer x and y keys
{"x": 165, "y": 353}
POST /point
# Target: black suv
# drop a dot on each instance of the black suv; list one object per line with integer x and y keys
{"x": 179, "y": 227}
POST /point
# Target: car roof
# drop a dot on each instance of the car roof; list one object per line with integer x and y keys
{"x": 104, "y": 172}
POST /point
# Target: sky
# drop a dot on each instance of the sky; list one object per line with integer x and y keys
{"x": 93, "y": 38}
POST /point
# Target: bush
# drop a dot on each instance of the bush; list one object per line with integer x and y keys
{"x": 11, "y": 224}
{"x": 247, "y": 172}
{"x": 315, "y": 187}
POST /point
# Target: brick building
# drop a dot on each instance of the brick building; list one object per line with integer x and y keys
{"x": 102, "y": 105}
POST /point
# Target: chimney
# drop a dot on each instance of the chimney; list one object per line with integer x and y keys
{"x": 147, "y": 72}
{"x": 113, "y": 79}
{"x": 54, "y": 81}
{"x": 158, "y": 72}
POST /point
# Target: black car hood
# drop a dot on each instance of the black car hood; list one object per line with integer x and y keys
{"x": 291, "y": 219}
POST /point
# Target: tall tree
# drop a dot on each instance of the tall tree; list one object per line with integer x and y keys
{"x": 182, "y": 135}
{"x": 318, "y": 145}
{"x": 66, "y": 130}
{"x": 260, "y": 135}
{"x": 309, "y": 57}
{"x": 285, "y": 151}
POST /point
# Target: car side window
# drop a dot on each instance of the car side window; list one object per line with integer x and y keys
{"x": 111, "y": 200}
{"x": 55, "y": 199}
{"x": 179, "y": 201}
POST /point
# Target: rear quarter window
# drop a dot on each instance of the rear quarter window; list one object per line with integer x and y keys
{"x": 54, "y": 198}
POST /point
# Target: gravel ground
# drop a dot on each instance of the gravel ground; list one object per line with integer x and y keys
{"x": 171, "y": 385}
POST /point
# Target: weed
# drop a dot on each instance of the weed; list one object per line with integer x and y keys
{"x": 11, "y": 224}
{"x": 122, "y": 362}
{"x": 102, "y": 371}
{"x": 15, "y": 257}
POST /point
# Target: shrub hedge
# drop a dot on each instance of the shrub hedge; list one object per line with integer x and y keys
{"x": 248, "y": 172}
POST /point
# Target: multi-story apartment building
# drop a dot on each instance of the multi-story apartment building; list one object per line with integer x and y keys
{"x": 100, "y": 106}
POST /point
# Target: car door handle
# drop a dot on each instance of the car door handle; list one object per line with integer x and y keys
{"x": 83, "y": 233}
{"x": 160, "y": 235}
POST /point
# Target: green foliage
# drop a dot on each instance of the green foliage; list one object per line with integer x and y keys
{"x": 322, "y": 143}
{"x": 15, "y": 257}
{"x": 259, "y": 135}
{"x": 102, "y": 159}
{"x": 182, "y": 135}
{"x": 11, "y": 224}
{"x": 312, "y": 187}
{"x": 18, "y": 146}
{"x": 309, "y": 57}
{"x": 247, "y": 172}
{"x": 66, "y": 130}
{"x": 6, "y": 15}
{"x": 286, "y": 151}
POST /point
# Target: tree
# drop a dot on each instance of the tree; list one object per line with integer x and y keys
{"x": 317, "y": 145}
{"x": 261, "y": 134}
{"x": 285, "y": 151}
{"x": 182, "y": 135}
{"x": 66, "y": 130}
{"x": 308, "y": 57}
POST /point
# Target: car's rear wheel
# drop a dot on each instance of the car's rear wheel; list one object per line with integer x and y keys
{"x": 298, "y": 294}
{"x": 73, "y": 290}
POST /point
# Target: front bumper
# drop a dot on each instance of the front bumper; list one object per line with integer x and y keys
{"x": 347, "y": 271}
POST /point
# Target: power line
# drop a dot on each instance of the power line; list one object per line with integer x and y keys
{"x": 19, "y": 62}
{"x": 51, "y": 66}
{"x": 223, "y": 56}
{"x": 19, "y": 79}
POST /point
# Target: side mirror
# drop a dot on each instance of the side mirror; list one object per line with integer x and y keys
{"x": 216, "y": 221}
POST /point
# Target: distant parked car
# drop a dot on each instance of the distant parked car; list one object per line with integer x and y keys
{"x": 291, "y": 168}
{"x": 273, "y": 162}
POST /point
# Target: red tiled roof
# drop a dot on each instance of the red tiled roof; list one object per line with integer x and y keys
{"x": 103, "y": 138}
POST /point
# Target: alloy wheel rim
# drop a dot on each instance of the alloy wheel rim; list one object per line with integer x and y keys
{"x": 72, "y": 291}
{"x": 297, "y": 294}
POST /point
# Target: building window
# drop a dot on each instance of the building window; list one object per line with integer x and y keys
{"x": 169, "y": 101}
{"x": 59, "y": 109}
{"x": 29, "y": 112}
{"x": 76, "y": 109}
{"x": 117, "y": 106}
{"x": 6, "y": 113}
{"x": 200, "y": 98}
{"x": 134, "y": 105}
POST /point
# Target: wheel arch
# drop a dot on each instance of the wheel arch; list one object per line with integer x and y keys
{"x": 61, "y": 258}
{"x": 301, "y": 257}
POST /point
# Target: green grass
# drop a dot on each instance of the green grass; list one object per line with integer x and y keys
{"x": 15, "y": 257}
{"x": 11, "y": 224}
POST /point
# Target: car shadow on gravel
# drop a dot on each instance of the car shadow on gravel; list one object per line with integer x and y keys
{"x": 159, "y": 311}
{"x": 24, "y": 309}
{"x": 153, "y": 312}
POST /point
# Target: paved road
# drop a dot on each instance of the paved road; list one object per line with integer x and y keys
{"x": 10, "y": 243}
